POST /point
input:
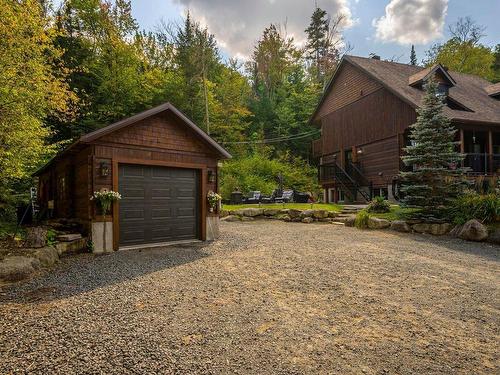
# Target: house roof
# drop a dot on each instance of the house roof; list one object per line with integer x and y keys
{"x": 420, "y": 77}
{"x": 468, "y": 90}
{"x": 95, "y": 135}
{"x": 493, "y": 90}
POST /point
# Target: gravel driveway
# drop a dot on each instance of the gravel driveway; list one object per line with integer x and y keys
{"x": 267, "y": 298}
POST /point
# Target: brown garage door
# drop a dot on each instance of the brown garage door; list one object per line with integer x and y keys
{"x": 158, "y": 204}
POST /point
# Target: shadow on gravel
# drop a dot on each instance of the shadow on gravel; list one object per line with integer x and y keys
{"x": 85, "y": 272}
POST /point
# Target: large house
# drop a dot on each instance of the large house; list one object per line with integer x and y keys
{"x": 365, "y": 113}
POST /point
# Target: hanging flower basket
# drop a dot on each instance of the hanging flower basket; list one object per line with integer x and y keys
{"x": 213, "y": 200}
{"x": 104, "y": 199}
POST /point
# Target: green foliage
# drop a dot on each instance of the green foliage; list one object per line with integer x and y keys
{"x": 362, "y": 218}
{"x": 379, "y": 205}
{"x": 51, "y": 237}
{"x": 260, "y": 171}
{"x": 463, "y": 52}
{"x": 31, "y": 88}
{"x": 435, "y": 179}
{"x": 485, "y": 208}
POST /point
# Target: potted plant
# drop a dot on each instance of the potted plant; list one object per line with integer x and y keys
{"x": 213, "y": 200}
{"x": 104, "y": 199}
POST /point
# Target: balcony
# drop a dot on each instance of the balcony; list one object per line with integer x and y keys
{"x": 480, "y": 164}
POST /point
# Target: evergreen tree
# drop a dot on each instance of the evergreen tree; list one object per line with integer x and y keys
{"x": 413, "y": 56}
{"x": 324, "y": 44}
{"x": 436, "y": 175}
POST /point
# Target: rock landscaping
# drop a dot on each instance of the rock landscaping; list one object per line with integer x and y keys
{"x": 18, "y": 263}
{"x": 287, "y": 215}
{"x": 473, "y": 230}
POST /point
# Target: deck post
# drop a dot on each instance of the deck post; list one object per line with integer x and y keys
{"x": 490, "y": 150}
{"x": 462, "y": 145}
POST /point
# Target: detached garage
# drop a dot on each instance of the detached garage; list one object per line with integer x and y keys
{"x": 161, "y": 163}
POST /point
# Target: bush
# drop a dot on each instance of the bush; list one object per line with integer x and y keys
{"x": 361, "y": 221}
{"x": 485, "y": 208}
{"x": 260, "y": 171}
{"x": 379, "y": 205}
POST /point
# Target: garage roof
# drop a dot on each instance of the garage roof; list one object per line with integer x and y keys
{"x": 93, "y": 136}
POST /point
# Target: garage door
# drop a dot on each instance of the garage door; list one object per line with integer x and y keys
{"x": 158, "y": 204}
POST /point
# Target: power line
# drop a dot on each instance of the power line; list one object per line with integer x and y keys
{"x": 279, "y": 139}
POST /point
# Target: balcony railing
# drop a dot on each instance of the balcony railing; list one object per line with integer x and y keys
{"x": 482, "y": 164}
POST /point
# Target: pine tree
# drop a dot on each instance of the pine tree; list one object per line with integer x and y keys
{"x": 436, "y": 178}
{"x": 413, "y": 56}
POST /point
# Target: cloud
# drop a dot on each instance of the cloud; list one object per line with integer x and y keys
{"x": 237, "y": 25}
{"x": 411, "y": 21}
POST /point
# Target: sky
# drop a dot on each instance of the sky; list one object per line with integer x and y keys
{"x": 384, "y": 27}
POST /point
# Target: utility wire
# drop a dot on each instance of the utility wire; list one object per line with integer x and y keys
{"x": 278, "y": 139}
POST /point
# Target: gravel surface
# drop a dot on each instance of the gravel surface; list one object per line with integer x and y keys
{"x": 267, "y": 298}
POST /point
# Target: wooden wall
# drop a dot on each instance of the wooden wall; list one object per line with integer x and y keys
{"x": 350, "y": 85}
{"x": 376, "y": 116}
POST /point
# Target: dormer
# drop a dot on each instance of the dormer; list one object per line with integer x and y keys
{"x": 493, "y": 90}
{"x": 439, "y": 73}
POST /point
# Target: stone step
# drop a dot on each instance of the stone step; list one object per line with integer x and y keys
{"x": 69, "y": 237}
{"x": 75, "y": 246}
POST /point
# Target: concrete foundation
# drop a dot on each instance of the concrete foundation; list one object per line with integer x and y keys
{"x": 102, "y": 244}
{"x": 212, "y": 227}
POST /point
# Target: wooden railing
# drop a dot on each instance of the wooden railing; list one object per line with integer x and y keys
{"x": 482, "y": 163}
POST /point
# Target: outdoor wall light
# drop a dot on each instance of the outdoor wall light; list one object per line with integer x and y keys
{"x": 360, "y": 151}
{"x": 104, "y": 169}
{"x": 211, "y": 176}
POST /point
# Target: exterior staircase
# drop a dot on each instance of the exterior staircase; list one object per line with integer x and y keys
{"x": 351, "y": 181}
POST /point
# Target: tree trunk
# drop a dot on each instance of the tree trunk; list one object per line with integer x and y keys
{"x": 36, "y": 237}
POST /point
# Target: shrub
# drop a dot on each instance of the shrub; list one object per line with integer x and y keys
{"x": 379, "y": 205}
{"x": 260, "y": 171}
{"x": 361, "y": 221}
{"x": 485, "y": 208}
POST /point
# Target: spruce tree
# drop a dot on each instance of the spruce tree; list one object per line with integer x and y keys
{"x": 436, "y": 177}
{"x": 413, "y": 56}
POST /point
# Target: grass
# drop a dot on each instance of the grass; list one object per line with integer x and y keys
{"x": 396, "y": 213}
{"x": 297, "y": 206}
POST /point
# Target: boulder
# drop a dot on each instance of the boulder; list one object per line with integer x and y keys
{"x": 494, "y": 237}
{"x": 320, "y": 214}
{"x": 286, "y": 218}
{"x": 293, "y": 213}
{"x": 332, "y": 214}
{"x": 231, "y": 218}
{"x": 421, "y": 227}
{"x": 348, "y": 221}
{"x": 400, "y": 226}
{"x": 247, "y": 218}
{"x": 439, "y": 229}
{"x": 473, "y": 230}
{"x": 377, "y": 223}
{"x": 47, "y": 256}
{"x": 252, "y": 212}
{"x": 307, "y": 213}
{"x": 307, "y": 220}
{"x": 224, "y": 213}
{"x": 296, "y": 219}
{"x": 271, "y": 211}
{"x": 15, "y": 268}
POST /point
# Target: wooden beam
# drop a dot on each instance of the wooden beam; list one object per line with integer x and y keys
{"x": 462, "y": 142}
